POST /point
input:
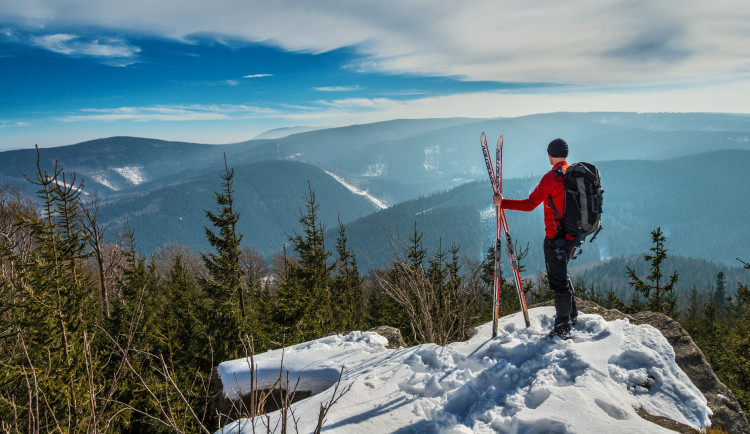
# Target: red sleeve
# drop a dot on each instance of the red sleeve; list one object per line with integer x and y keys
{"x": 536, "y": 197}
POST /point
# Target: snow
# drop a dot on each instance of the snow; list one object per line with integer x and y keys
{"x": 432, "y": 159}
{"x": 374, "y": 170}
{"x": 68, "y": 186}
{"x": 516, "y": 382}
{"x": 134, "y": 174}
{"x": 377, "y": 202}
{"x": 103, "y": 181}
{"x": 488, "y": 213}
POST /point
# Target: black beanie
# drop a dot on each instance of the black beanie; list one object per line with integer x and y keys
{"x": 558, "y": 148}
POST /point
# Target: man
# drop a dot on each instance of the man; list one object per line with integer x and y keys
{"x": 557, "y": 244}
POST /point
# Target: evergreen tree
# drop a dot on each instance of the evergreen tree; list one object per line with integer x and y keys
{"x": 416, "y": 253}
{"x": 186, "y": 335}
{"x": 659, "y": 296}
{"x": 637, "y": 304}
{"x": 736, "y": 368}
{"x": 48, "y": 316}
{"x": 136, "y": 325}
{"x": 613, "y": 302}
{"x": 225, "y": 312}
{"x": 347, "y": 287}
{"x": 304, "y": 298}
{"x": 720, "y": 293}
{"x": 691, "y": 318}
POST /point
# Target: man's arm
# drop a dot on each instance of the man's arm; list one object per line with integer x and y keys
{"x": 535, "y": 198}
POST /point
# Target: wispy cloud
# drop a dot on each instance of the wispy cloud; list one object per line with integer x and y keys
{"x": 258, "y": 75}
{"x": 10, "y": 124}
{"x": 360, "y": 103}
{"x": 601, "y": 43}
{"x": 74, "y": 45}
{"x": 168, "y": 113}
{"x": 337, "y": 88}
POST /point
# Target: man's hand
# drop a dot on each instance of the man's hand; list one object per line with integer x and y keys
{"x": 497, "y": 199}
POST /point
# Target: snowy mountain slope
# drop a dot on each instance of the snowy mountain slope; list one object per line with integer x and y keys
{"x": 517, "y": 382}
{"x": 267, "y": 195}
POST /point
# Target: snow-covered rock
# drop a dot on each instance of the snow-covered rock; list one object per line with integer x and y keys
{"x": 516, "y": 382}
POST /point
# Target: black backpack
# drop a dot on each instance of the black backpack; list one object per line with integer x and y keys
{"x": 583, "y": 203}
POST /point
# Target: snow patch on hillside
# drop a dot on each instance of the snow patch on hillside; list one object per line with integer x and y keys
{"x": 377, "y": 202}
{"x": 104, "y": 181}
{"x": 516, "y": 382}
{"x": 432, "y": 158}
{"x": 374, "y": 170}
{"x": 488, "y": 213}
{"x": 134, "y": 174}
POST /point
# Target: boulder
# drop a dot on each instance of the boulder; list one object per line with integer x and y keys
{"x": 395, "y": 339}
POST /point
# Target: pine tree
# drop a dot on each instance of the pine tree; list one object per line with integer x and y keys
{"x": 660, "y": 297}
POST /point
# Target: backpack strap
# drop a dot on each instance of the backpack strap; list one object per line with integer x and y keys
{"x": 560, "y": 218}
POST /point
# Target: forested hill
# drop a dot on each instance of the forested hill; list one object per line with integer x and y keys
{"x": 698, "y": 274}
{"x": 665, "y": 178}
{"x": 698, "y": 201}
{"x": 267, "y": 196}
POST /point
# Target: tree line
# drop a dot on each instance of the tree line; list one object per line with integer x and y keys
{"x": 96, "y": 337}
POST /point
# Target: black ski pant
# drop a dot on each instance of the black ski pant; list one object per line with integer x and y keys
{"x": 556, "y": 257}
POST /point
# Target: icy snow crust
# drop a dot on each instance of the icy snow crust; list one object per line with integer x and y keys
{"x": 517, "y": 382}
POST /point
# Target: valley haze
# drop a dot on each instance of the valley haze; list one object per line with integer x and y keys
{"x": 381, "y": 179}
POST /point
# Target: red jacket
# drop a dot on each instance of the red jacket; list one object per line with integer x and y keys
{"x": 550, "y": 185}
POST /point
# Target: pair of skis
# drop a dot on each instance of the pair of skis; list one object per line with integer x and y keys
{"x": 496, "y": 179}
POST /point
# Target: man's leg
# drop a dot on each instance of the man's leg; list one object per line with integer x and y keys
{"x": 556, "y": 259}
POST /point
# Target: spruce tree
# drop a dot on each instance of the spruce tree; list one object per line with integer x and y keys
{"x": 691, "y": 318}
{"x": 720, "y": 293}
{"x": 611, "y": 301}
{"x": 659, "y": 295}
{"x": 735, "y": 354}
{"x": 415, "y": 251}
{"x": 347, "y": 287}
{"x": 225, "y": 311}
{"x": 186, "y": 334}
{"x": 48, "y": 320}
{"x": 304, "y": 298}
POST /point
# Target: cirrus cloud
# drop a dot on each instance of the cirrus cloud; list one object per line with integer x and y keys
{"x": 580, "y": 42}
{"x": 68, "y": 44}
{"x": 168, "y": 113}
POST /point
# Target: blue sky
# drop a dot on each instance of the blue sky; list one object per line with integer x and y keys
{"x": 225, "y": 71}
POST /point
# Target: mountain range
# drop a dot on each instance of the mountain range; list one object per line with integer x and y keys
{"x": 682, "y": 172}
